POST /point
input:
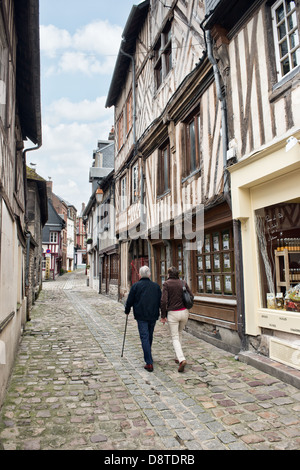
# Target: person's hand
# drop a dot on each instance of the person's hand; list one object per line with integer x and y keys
{"x": 163, "y": 320}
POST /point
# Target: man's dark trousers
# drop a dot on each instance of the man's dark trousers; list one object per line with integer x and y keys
{"x": 146, "y": 329}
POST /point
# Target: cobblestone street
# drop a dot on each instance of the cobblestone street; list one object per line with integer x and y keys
{"x": 71, "y": 389}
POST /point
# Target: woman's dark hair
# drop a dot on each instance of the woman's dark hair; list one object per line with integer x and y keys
{"x": 173, "y": 272}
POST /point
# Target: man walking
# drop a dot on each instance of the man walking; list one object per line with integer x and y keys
{"x": 144, "y": 297}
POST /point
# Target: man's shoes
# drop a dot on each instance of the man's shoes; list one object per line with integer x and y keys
{"x": 181, "y": 366}
{"x": 149, "y": 367}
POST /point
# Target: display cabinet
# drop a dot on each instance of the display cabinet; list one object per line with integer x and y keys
{"x": 287, "y": 266}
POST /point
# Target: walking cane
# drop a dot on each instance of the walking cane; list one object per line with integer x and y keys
{"x": 124, "y": 335}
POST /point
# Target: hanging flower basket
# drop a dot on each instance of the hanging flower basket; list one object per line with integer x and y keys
{"x": 89, "y": 241}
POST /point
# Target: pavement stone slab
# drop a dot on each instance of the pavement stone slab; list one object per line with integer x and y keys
{"x": 71, "y": 389}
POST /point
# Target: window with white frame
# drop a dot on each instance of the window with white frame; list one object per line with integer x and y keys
{"x": 123, "y": 193}
{"x": 286, "y": 36}
{"x": 135, "y": 179}
{"x": 53, "y": 237}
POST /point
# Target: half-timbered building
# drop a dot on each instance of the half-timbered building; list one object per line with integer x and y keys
{"x": 98, "y": 218}
{"x": 20, "y": 119}
{"x": 37, "y": 216}
{"x": 171, "y": 180}
{"x": 258, "y": 50}
{"x": 52, "y": 236}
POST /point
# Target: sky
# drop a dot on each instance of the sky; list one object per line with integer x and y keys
{"x": 79, "y": 43}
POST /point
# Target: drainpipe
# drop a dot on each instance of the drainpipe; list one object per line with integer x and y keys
{"x": 24, "y": 170}
{"x": 28, "y": 238}
{"x": 131, "y": 57}
{"x": 240, "y": 298}
{"x": 28, "y": 235}
{"x": 236, "y": 223}
{"x": 223, "y": 110}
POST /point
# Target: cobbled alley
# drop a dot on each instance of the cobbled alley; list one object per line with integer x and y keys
{"x": 71, "y": 389}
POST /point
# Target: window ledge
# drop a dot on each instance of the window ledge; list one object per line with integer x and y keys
{"x": 165, "y": 81}
{"x": 284, "y": 84}
{"x": 195, "y": 172}
{"x": 161, "y": 196}
{"x": 217, "y": 300}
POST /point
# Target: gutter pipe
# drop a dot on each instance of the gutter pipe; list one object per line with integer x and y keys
{"x": 237, "y": 236}
{"x": 131, "y": 57}
{"x": 28, "y": 234}
{"x": 223, "y": 110}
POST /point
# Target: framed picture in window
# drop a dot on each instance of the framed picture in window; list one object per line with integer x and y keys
{"x": 226, "y": 240}
{"x": 216, "y": 243}
{"x": 208, "y": 282}
{"x": 217, "y": 262}
{"x": 228, "y": 284}
{"x": 207, "y": 243}
{"x": 199, "y": 246}
{"x": 218, "y": 284}
{"x": 207, "y": 263}
{"x": 226, "y": 261}
{"x": 200, "y": 284}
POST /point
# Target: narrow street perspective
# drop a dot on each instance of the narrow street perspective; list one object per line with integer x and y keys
{"x": 71, "y": 390}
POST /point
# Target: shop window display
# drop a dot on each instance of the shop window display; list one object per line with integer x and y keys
{"x": 214, "y": 263}
{"x": 278, "y": 235}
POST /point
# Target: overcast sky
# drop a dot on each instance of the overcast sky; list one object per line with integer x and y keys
{"x": 80, "y": 41}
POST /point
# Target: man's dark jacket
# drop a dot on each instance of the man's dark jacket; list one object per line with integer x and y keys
{"x": 144, "y": 297}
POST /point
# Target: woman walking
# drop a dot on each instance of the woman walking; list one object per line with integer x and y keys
{"x": 173, "y": 307}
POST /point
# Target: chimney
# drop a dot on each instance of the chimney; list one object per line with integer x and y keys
{"x": 112, "y": 134}
{"x": 49, "y": 189}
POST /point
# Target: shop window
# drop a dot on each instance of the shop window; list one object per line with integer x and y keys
{"x": 214, "y": 264}
{"x": 105, "y": 268}
{"x": 162, "y": 267}
{"x": 178, "y": 258}
{"x": 114, "y": 267}
{"x": 278, "y": 240}
{"x": 286, "y": 36}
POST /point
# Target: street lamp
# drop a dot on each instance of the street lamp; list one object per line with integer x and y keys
{"x": 99, "y": 196}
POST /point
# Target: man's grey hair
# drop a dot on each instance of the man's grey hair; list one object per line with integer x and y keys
{"x": 145, "y": 271}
